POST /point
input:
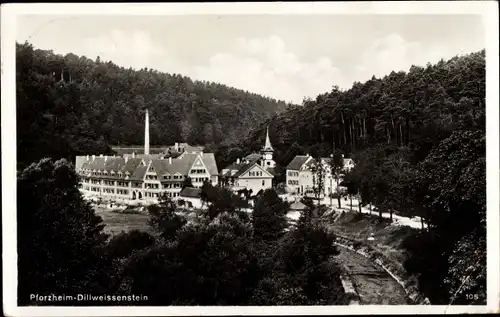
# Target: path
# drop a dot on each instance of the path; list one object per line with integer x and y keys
{"x": 373, "y": 284}
{"x": 397, "y": 220}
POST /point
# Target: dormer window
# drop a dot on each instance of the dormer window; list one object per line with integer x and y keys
{"x": 119, "y": 174}
{"x": 112, "y": 172}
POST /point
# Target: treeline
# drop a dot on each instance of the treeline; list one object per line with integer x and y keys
{"x": 418, "y": 141}
{"x": 70, "y": 105}
{"x": 218, "y": 256}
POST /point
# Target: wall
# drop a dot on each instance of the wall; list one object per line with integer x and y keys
{"x": 407, "y": 282}
{"x": 292, "y": 188}
{"x": 195, "y": 201}
{"x": 305, "y": 180}
{"x": 255, "y": 184}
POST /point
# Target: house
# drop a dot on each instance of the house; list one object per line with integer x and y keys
{"x": 298, "y": 174}
{"x": 144, "y": 177}
{"x": 301, "y": 178}
{"x": 255, "y": 172}
{"x": 191, "y": 197}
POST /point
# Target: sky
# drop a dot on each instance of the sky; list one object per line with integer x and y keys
{"x": 287, "y": 57}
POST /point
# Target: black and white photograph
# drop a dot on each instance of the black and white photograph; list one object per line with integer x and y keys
{"x": 250, "y": 158}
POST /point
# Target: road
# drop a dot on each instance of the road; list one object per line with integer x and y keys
{"x": 374, "y": 285}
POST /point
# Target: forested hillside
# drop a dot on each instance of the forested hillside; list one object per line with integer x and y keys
{"x": 68, "y": 105}
{"x": 418, "y": 139}
{"x": 414, "y": 109}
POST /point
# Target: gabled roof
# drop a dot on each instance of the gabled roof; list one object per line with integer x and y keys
{"x": 190, "y": 192}
{"x": 272, "y": 171}
{"x": 210, "y": 163}
{"x": 297, "y": 162}
{"x": 137, "y": 171}
{"x": 245, "y": 167}
{"x": 79, "y": 161}
{"x": 253, "y": 157}
{"x": 297, "y": 206}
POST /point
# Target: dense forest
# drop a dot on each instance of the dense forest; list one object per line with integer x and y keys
{"x": 69, "y": 105}
{"x": 418, "y": 140}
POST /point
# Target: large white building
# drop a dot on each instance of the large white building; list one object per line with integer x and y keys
{"x": 301, "y": 178}
{"x": 144, "y": 177}
{"x": 255, "y": 172}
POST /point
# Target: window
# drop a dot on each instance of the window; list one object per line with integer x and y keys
{"x": 263, "y": 183}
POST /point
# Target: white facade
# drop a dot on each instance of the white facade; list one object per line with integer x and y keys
{"x": 255, "y": 178}
{"x": 292, "y": 181}
{"x": 301, "y": 180}
{"x": 194, "y": 202}
{"x": 199, "y": 174}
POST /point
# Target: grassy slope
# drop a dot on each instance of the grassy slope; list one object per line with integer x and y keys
{"x": 388, "y": 239}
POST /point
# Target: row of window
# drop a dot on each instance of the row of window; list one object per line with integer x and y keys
{"x": 199, "y": 179}
{"x": 172, "y": 177}
{"x": 255, "y": 173}
{"x": 172, "y": 195}
{"x": 292, "y": 173}
{"x": 175, "y": 185}
{"x": 153, "y": 186}
{"x": 198, "y": 171}
{"x": 155, "y": 195}
{"x": 105, "y": 173}
{"x": 293, "y": 182}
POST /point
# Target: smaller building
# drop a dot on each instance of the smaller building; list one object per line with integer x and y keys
{"x": 255, "y": 172}
{"x": 301, "y": 179}
{"x": 191, "y": 197}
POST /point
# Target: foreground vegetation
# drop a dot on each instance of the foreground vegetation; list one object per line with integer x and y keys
{"x": 220, "y": 257}
{"x": 418, "y": 140}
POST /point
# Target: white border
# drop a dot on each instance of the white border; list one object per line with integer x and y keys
{"x": 489, "y": 11}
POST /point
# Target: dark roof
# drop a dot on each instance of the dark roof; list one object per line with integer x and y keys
{"x": 272, "y": 171}
{"x": 210, "y": 163}
{"x": 297, "y": 206}
{"x": 253, "y": 157}
{"x": 243, "y": 168}
{"x": 297, "y": 162}
{"x": 136, "y": 170}
{"x": 190, "y": 192}
{"x": 120, "y": 150}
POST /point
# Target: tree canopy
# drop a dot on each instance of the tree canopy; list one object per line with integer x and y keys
{"x": 72, "y": 105}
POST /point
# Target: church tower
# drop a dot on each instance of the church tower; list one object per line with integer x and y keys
{"x": 146, "y": 134}
{"x": 267, "y": 153}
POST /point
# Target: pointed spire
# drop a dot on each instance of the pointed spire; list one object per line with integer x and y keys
{"x": 146, "y": 134}
{"x": 267, "y": 145}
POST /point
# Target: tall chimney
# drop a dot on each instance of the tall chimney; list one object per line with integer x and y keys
{"x": 146, "y": 134}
